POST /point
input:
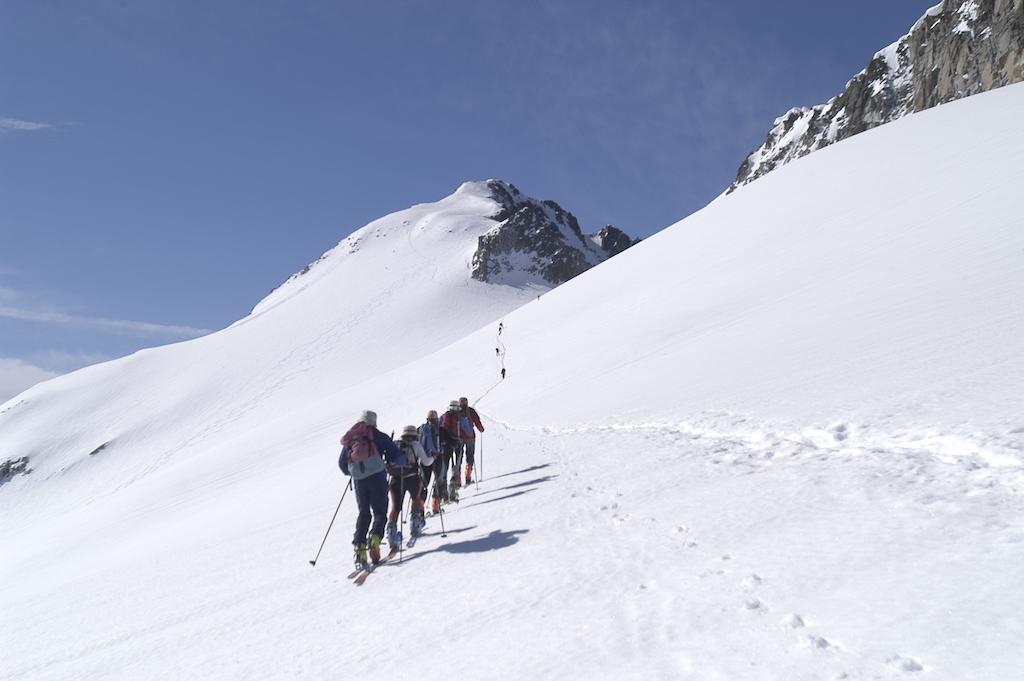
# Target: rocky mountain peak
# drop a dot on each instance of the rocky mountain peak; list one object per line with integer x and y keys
{"x": 538, "y": 241}
{"x": 958, "y": 48}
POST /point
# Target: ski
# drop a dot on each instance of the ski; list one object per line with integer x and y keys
{"x": 363, "y": 574}
{"x": 412, "y": 541}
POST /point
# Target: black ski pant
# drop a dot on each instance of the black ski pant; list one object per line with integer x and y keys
{"x": 425, "y": 473}
{"x": 440, "y": 475}
{"x": 371, "y": 496}
{"x": 400, "y": 486}
{"x": 452, "y": 459}
{"x": 453, "y": 456}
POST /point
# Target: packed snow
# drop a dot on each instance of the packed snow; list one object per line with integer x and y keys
{"x": 781, "y": 439}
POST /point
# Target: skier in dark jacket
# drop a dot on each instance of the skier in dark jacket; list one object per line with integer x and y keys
{"x": 407, "y": 479}
{"x": 364, "y": 455}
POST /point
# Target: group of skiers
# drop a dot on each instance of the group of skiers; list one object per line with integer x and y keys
{"x": 381, "y": 468}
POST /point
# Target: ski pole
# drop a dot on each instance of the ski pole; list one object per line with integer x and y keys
{"x": 401, "y": 536}
{"x": 443, "y": 533}
{"x": 347, "y": 488}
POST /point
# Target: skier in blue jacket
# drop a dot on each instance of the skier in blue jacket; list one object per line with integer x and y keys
{"x": 430, "y": 438}
{"x": 365, "y": 454}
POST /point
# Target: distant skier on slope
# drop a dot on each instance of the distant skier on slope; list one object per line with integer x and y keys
{"x": 430, "y": 438}
{"x": 468, "y": 419}
{"x": 451, "y": 447}
{"x": 405, "y": 480}
{"x": 363, "y": 454}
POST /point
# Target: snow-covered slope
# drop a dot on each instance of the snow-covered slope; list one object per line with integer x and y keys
{"x": 779, "y": 440}
{"x": 391, "y": 292}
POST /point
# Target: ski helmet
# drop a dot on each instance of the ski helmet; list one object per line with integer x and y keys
{"x": 369, "y": 418}
{"x": 454, "y": 404}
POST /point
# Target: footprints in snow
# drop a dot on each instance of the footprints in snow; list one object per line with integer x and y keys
{"x": 905, "y": 664}
{"x": 793, "y": 621}
{"x": 754, "y": 605}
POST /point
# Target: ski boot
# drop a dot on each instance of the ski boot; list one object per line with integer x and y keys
{"x": 361, "y": 561}
{"x": 453, "y": 492}
{"x": 418, "y": 523}
{"x": 394, "y": 537}
{"x": 457, "y": 480}
{"x": 469, "y": 474}
{"x": 436, "y": 507}
{"x": 375, "y": 548}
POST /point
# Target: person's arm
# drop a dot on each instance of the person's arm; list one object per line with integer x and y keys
{"x": 388, "y": 449}
{"x": 421, "y": 454}
{"x": 476, "y": 419}
{"x": 343, "y": 460}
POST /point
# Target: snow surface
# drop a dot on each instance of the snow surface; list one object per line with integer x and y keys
{"x": 781, "y": 439}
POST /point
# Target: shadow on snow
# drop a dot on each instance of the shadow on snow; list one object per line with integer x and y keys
{"x": 522, "y": 471}
{"x": 491, "y": 501}
{"x": 527, "y": 483}
{"x": 496, "y": 540}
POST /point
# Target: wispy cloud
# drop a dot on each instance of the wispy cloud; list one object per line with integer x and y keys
{"x": 20, "y": 125}
{"x": 17, "y": 376}
{"x": 15, "y": 305}
{"x": 101, "y": 323}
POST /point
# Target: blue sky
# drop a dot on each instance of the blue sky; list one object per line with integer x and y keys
{"x": 165, "y": 164}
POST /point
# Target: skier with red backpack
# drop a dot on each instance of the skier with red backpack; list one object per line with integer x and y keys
{"x": 451, "y": 446}
{"x": 365, "y": 454}
{"x": 468, "y": 420}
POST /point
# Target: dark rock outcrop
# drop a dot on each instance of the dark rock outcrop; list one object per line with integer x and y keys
{"x": 613, "y": 240}
{"x": 959, "y": 48}
{"x": 539, "y": 240}
{"x": 12, "y": 467}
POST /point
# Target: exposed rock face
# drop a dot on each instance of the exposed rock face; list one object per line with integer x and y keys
{"x": 613, "y": 240}
{"x": 959, "y": 48}
{"x": 539, "y": 239}
{"x": 12, "y": 467}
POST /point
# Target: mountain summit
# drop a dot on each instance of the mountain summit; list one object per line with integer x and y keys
{"x": 540, "y": 241}
{"x": 957, "y": 49}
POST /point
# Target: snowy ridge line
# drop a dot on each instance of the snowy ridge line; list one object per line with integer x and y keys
{"x": 989, "y": 458}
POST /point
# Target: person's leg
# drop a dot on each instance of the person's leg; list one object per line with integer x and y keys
{"x": 395, "y": 496}
{"x": 363, "y": 519}
{"x": 379, "y": 504}
{"x": 438, "y": 483}
{"x": 470, "y": 450}
{"x": 457, "y": 470}
{"x": 425, "y": 472}
{"x": 446, "y": 465}
{"x": 415, "y": 487}
{"x": 396, "y": 502}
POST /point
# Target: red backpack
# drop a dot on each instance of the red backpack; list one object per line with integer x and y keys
{"x": 450, "y": 425}
{"x": 359, "y": 440}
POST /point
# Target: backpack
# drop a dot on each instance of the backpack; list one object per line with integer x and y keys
{"x": 408, "y": 467}
{"x": 359, "y": 440}
{"x": 450, "y": 428}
